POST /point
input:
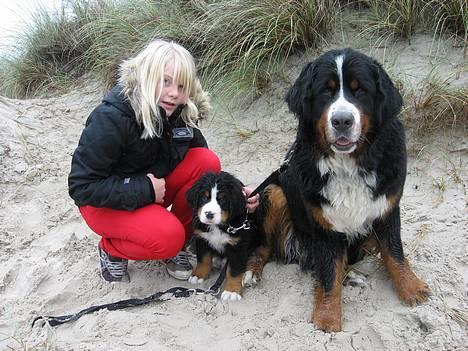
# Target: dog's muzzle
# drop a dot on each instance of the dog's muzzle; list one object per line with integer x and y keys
{"x": 344, "y": 128}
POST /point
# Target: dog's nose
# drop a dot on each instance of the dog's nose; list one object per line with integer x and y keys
{"x": 341, "y": 121}
{"x": 209, "y": 214}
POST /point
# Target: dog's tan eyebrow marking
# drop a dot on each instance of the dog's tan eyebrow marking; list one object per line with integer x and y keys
{"x": 331, "y": 84}
{"x": 354, "y": 84}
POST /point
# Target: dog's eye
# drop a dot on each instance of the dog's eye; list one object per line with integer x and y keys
{"x": 329, "y": 89}
{"x": 220, "y": 198}
{"x": 328, "y": 92}
{"x": 205, "y": 196}
{"x": 356, "y": 88}
{"x": 359, "y": 92}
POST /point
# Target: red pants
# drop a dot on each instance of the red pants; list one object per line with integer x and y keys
{"x": 152, "y": 232}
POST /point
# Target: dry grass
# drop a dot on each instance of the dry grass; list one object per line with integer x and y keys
{"x": 245, "y": 41}
{"x": 403, "y": 18}
{"x": 392, "y": 18}
{"x": 238, "y": 42}
{"x": 439, "y": 105}
{"x": 46, "y": 56}
{"x": 448, "y": 17}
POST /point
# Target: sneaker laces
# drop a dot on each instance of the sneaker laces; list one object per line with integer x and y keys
{"x": 115, "y": 268}
{"x": 181, "y": 259}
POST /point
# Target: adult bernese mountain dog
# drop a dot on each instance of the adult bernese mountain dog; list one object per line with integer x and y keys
{"x": 221, "y": 227}
{"x": 339, "y": 197}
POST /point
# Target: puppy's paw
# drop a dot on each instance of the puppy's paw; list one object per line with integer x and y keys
{"x": 355, "y": 279}
{"x": 230, "y": 296}
{"x": 195, "y": 280}
{"x": 249, "y": 279}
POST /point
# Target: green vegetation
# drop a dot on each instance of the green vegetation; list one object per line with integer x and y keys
{"x": 449, "y": 16}
{"x": 244, "y": 41}
{"x": 238, "y": 44}
{"x": 395, "y": 17}
{"x": 402, "y": 18}
{"x": 437, "y": 104}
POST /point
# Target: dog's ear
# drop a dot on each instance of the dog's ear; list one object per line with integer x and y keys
{"x": 295, "y": 97}
{"x": 230, "y": 177}
{"x": 192, "y": 195}
{"x": 389, "y": 100}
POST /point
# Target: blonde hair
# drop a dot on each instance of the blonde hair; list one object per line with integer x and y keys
{"x": 140, "y": 75}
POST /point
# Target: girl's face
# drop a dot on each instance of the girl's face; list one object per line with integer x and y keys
{"x": 172, "y": 93}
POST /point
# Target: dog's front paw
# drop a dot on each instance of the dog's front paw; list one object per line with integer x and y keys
{"x": 249, "y": 279}
{"x": 195, "y": 280}
{"x": 230, "y": 296}
{"x": 414, "y": 291}
{"x": 327, "y": 323}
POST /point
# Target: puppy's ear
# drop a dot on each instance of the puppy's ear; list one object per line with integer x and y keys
{"x": 296, "y": 94}
{"x": 193, "y": 193}
{"x": 389, "y": 100}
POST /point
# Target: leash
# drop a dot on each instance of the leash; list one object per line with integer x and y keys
{"x": 177, "y": 292}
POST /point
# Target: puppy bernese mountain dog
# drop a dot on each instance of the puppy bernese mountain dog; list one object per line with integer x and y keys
{"x": 339, "y": 197}
{"x": 221, "y": 227}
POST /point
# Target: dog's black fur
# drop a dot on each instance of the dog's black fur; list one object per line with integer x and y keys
{"x": 344, "y": 181}
{"x": 230, "y": 235}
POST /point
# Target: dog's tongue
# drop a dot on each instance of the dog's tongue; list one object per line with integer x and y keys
{"x": 343, "y": 142}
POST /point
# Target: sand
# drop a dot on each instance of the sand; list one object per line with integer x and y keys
{"x": 49, "y": 263}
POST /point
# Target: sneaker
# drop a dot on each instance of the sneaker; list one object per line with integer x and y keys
{"x": 179, "y": 266}
{"x": 113, "y": 269}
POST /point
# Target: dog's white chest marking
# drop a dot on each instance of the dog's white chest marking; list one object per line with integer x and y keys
{"x": 352, "y": 207}
{"x": 216, "y": 238}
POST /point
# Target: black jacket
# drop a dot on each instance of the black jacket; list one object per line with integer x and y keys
{"x": 110, "y": 164}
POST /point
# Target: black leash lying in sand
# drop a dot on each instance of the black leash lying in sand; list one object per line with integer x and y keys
{"x": 177, "y": 291}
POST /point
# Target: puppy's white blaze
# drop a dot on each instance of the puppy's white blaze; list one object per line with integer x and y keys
{"x": 341, "y": 104}
{"x": 212, "y": 207}
{"x": 216, "y": 238}
{"x": 352, "y": 207}
{"x": 230, "y": 296}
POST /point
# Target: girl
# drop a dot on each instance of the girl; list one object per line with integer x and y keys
{"x": 138, "y": 154}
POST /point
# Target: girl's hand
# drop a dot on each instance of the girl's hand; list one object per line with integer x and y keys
{"x": 252, "y": 202}
{"x": 159, "y": 187}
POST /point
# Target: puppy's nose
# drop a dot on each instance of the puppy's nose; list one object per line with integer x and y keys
{"x": 341, "y": 121}
{"x": 209, "y": 214}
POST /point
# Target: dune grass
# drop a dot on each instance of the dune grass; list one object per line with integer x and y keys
{"x": 45, "y": 55}
{"x": 437, "y": 104}
{"x": 119, "y": 33}
{"x": 239, "y": 43}
{"x": 245, "y": 41}
{"x": 448, "y": 16}
{"x": 402, "y": 18}
{"x": 397, "y": 18}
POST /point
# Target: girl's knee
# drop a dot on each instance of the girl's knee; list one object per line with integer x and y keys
{"x": 206, "y": 159}
{"x": 169, "y": 242}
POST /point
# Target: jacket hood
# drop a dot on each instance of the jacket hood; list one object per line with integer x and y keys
{"x": 116, "y": 97}
{"x": 128, "y": 83}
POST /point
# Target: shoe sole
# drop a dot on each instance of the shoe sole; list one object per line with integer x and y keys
{"x": 179, "y": 275}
